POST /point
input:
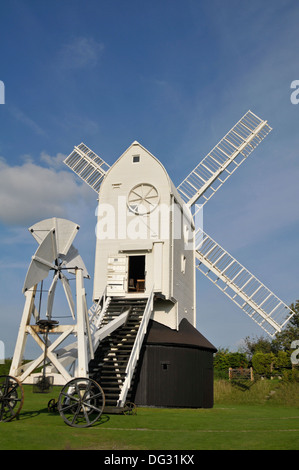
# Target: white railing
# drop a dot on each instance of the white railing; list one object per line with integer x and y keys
{"x": 136, "y": 350}
{"x": 109, "y": 328}
{"x": 97, "y": 311}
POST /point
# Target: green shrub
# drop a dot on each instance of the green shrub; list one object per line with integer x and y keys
{"x": 223, "y": 360}
{"x": 263, "y": 363}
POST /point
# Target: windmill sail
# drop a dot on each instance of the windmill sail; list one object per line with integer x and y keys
{"x": 253, "y": 297}
{"x": 42, "y": 261}
{"x": 88, "y": 165}
{"x": 223, "y": 159}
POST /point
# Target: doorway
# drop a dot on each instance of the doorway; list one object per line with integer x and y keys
{"x": 136, "y": 282}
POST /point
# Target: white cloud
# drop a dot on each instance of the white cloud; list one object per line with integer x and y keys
{"x": 80, "y": 52}
{"x": 30, "y": 192}
{"x": 53, "y": 162}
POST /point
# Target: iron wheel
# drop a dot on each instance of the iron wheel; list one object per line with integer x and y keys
{"x": 11, "y": 398}
{"x": 81, "y": 402}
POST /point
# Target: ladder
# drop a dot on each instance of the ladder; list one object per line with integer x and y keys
{"x": 242, "y": 287}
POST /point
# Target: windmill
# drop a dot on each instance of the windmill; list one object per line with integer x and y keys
{"x": 146, "y": 257}
{"x": 138, "y": 342}
{"x": 81, "y": 401}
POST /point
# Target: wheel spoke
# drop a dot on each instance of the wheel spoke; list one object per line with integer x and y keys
{"x": 76, "y": 414}
{"x": 11, "y": 397}
{"x": 86, "y": 416}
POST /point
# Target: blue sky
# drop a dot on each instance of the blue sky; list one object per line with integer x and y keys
{"x": 176, "y": 76}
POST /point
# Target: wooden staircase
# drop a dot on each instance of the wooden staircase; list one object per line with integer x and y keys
{"x": 111, "y": 358}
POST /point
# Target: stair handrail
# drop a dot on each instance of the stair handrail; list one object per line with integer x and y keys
{"x": 97, "y": 311}
{"x": 96, "y": 306}
{"x": 134, "y": 356}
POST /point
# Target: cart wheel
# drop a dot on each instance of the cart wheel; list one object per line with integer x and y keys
{"x": 130, "y": 409}
{"x": 52, "y": 405}
{"x": 11, "y": 398}
{"x": 81, "y": 402}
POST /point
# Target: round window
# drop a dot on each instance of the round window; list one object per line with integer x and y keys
{"x": 143, "y": 199}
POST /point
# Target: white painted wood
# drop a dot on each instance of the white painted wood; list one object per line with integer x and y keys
{"x": 22, "y": 334}
{"x": 82, "y": 370}
{"x": 108, "y": 329}
{"x": 87, "y": 165}
{"x": 154, "y": 231}
{"x": 65, "y": 231}
{"x": 242, "y": 287}
{"x": 42, "y": 261}
{"x": 224, "y": 159}
{"x": 158, "y": 266}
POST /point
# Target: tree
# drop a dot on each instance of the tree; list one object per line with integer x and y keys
{"x": 263, "y": 363}
{"x": 282, "y": 360}
{"x": 263, "y": 353}
{"x": 258, "y": 344}
{"x": 283, "y": 340}
{"x": 224, "y": 359}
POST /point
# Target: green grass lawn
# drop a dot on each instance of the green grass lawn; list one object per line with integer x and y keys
{"x": 232, "y": 424}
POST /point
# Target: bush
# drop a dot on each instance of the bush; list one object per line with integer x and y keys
{"x": 282, "y": 360}
{"x": 223, "y": 360}
{"x": 263, "y": 363}
{"x": 291, "y": 375}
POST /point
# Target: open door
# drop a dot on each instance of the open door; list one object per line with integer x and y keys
{"x": 136, "y": 278}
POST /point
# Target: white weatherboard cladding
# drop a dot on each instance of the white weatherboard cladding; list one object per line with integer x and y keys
{"x": 183, "y": 274}
{"x": 124, "y": 233}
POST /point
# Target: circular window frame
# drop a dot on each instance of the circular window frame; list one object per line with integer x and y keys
{"x": 141, "y": 198}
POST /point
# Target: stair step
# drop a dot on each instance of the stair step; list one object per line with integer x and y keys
{"x": 112, "y": 356}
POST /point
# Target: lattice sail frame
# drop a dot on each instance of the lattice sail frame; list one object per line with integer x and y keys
{"x": 242, "y": 287}
{"x": 233, "y": 279}
{"x": 88, "y": 166}
{"x": 221, "y": 162}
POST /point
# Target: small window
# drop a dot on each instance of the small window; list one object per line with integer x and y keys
{"x": 136, "y": 158}
{"x": 165, "y": 365}
{"x": 183, "y": 264}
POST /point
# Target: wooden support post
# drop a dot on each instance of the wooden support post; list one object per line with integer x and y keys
{"x": 22, "y": 335}
{"x": 81, "y": 326}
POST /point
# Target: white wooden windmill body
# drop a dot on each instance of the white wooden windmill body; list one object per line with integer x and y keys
{"x": 140, "y": 244}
